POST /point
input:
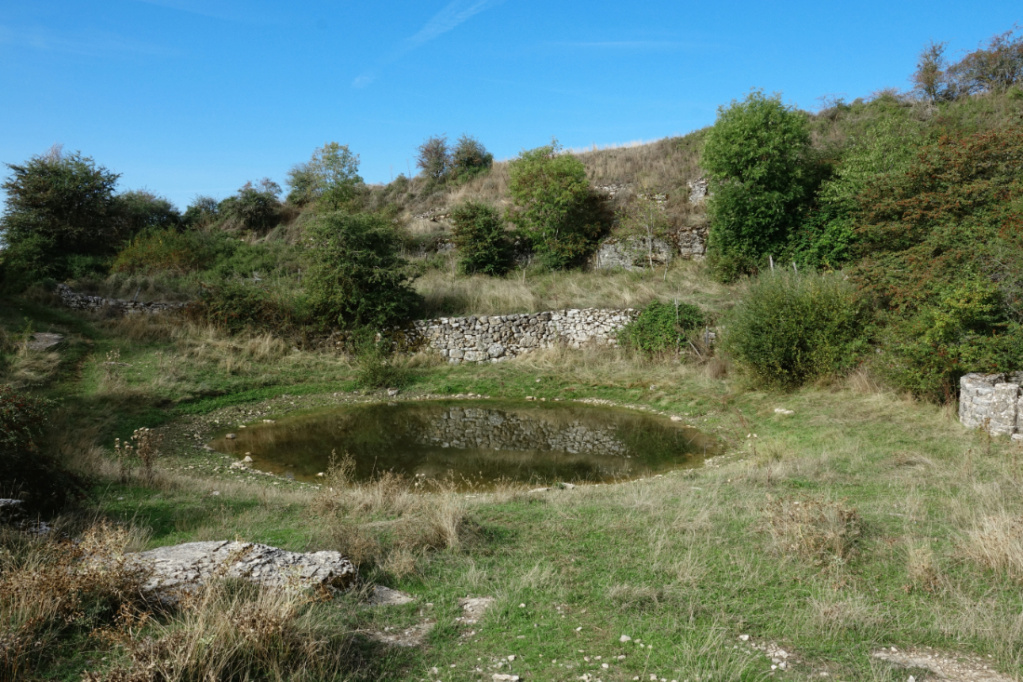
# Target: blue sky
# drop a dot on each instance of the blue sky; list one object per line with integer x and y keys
{"x": 189, "y": 97}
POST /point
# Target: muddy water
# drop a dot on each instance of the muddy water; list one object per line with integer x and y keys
{"x": 474, "y": 444}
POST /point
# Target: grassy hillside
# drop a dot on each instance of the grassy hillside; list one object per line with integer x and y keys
{"x": 852, "y": 529}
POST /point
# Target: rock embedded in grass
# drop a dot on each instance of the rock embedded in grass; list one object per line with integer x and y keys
{"x": 183, "y": 568}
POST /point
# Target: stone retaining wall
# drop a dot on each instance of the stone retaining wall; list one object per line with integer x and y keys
{"x": 72, "y": 299}
{"x": 496, "y": 337}
{"x": 993, "y": 402}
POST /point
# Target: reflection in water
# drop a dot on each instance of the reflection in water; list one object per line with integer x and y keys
{"x": 474, "y": 444}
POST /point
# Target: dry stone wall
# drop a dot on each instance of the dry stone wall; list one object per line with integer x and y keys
{"x": 78, "y": 301}
{"x": 993, "y": 402}
{"x": 496, "y": 337}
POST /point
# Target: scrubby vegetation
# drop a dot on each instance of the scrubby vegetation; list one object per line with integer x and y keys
{"x": 862, "y": 259}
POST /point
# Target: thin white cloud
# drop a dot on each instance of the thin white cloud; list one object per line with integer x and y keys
{"x": 624, "y": 45}
{"x": 88, "y": 44}
{"x": 203, "y": 9}
{"x": 450, "y": 17}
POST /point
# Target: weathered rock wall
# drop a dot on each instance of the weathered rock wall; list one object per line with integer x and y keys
{"x": 993, "y": 402}
{"x": 78, "y": 301}
{"x": 496, "y": 337}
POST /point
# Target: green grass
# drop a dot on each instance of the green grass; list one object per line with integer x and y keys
{"x": 686, "y": 563}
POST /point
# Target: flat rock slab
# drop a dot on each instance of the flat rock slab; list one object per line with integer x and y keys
{"x": 385, "y": 596}
{"x": 44, "y": 341}
{"x": 182, "y": 568}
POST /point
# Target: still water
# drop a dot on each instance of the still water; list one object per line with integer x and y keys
{"x": 474, "y": 444}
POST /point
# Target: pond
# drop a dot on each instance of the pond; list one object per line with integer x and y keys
{"x": 474, "y": 444}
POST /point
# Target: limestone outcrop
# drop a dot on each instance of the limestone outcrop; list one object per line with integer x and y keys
{"x": 183, "y": 568}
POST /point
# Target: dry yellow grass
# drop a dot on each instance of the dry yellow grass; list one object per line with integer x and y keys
{"x": 449, "y": 294}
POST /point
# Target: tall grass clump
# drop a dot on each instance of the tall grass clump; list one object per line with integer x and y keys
{"x": 791, "y": 328}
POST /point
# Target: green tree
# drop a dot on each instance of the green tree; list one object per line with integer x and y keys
{"x": 58, "y": 218}
{"x": 470, "y": 158}
{"x": 357, "y": 277}
{"x": 555, "y": 207}
{"x": 202, "y": 212}
{"x": 330, "y": 177}
{"x": 931, "y": 78}
{"x": 434, "y": 158}
{"x": 479, "y": 234}
{"x": 757, "y": 156}
{"x": 140, "y": 210}
{"x": 257, "y": 207}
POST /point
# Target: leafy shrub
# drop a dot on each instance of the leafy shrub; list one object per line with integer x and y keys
{"x": 953, "y": 214}
{"x": 239, "y": 305}
{"x": 257, "y": 208}
{"x": 555, "y": 207}
{"x": 434, "y": 158}
{"x": 965, "y": 331}
{"x": 375, "y": 365}
{"x": 758, "y": 158}
{"x": 58, "y": 206}
{"x": 483, "y": 246}
{"x": 330, "y": 177}
{"x": 662, "y": 327}
{"x": 160, "y": 251}
{"x": 791, "y": 328}
{"x": 141, "y": 210}
{"x": 202, "y": 212}
{"x": 26, "y": 469}
{"x": 469, "y": 158}
{"x": 357, "y": 277}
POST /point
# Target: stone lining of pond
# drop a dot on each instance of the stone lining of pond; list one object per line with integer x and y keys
{"x": 492, "y": 338}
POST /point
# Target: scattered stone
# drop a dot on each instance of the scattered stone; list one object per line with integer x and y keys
{"x": 44, "y": 341}
{"x": 409, "y": 637}
{"x": 391, "y": 392}
{"x": 501, "y": 677}
{"x": 183, "y": 568}
{"x": 944, "y": 665}
{"x": 473, "y": 609}
{"x": 625, "y": 638}
{"x": 783, "y": 411}
{"x": 231, "y": 436}
{"x": 385, "y": 596}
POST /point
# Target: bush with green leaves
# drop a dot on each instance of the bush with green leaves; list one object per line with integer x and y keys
{"x": 482, "y": 243}
{"x": 662, "y": 327}
{"x": 202, "y": 212}
{"x": 330, "y": 178}
{"x": 243, "y": 305}
{"x": 758, "y": 158}
{"x": 26, "y": 469}
{"x": 59, "y": 218}
{"x": 357, "y": 277}
{"x": 434, "y": 158}
{"x": 790, "y": 328}
{"x": 885, "y": 143}
{"x": 256, "y": 207}
{"x": 964, "y": 331}
{"x": 555, "y": 208}
{"x": 469, "y": 158}
{"x": 140, "y": 210}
